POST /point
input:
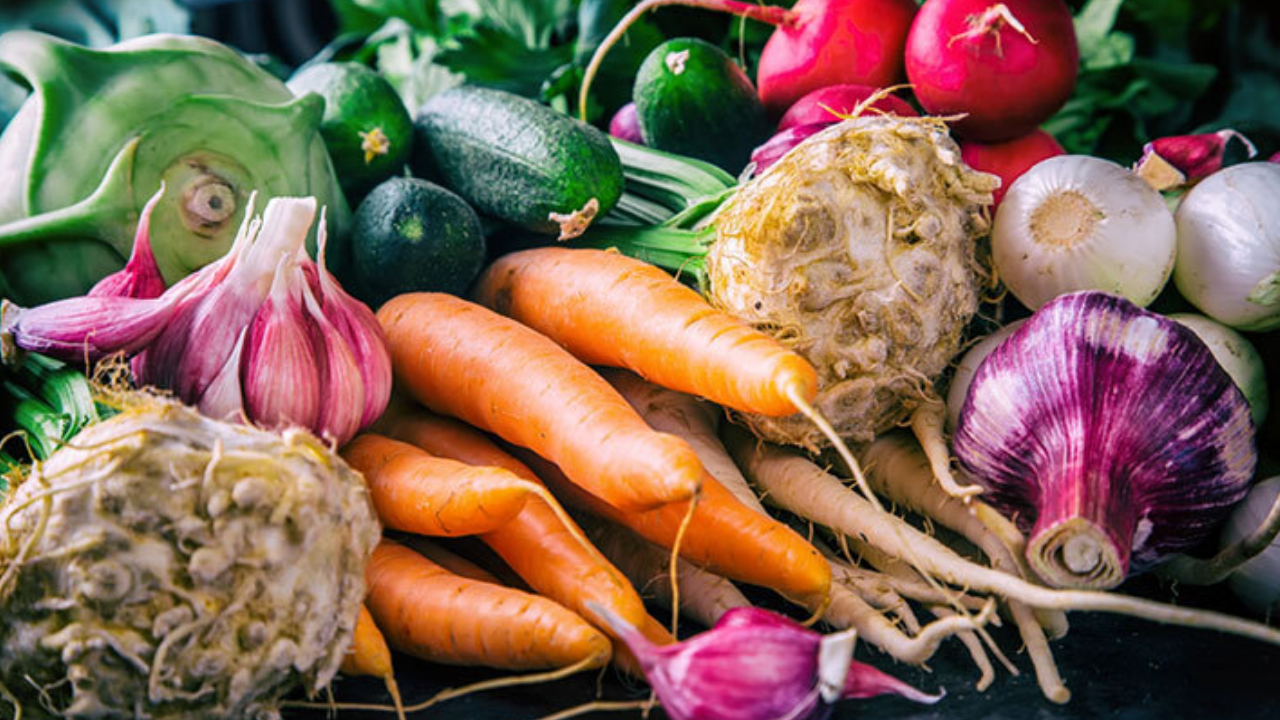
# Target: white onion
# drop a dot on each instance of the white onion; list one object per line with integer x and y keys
{"x": 1257, "y": 582}
{"x": 1229, "y": 246}
{"x": 968, "y": 365}
{"x": 1075, "y": 222}
{"x": 1237, "y": 356}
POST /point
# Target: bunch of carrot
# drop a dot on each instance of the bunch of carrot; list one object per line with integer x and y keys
{"x": 483, "y": 379}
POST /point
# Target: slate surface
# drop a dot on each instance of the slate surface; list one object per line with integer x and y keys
{"x": 1117, "y": 668}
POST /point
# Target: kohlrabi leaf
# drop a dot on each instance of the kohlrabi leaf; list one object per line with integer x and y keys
{"x": 408, "y": 62}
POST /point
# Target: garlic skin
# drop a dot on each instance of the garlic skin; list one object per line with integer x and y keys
{"x": 1074, "y": 223}
{"x": 1108, "y": 433}
{"x": 140, "y": 277}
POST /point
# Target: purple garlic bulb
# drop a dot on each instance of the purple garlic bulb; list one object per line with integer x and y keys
{"x": 1109, "y": 434}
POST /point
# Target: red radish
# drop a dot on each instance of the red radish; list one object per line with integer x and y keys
{"x": 823, "y": 105}
{"x": 1009, "y": 159}
{"x": 625, "y": 124}
{"x": 817, "y": 43}
{"x": 1007, "y": 65}
{"x": 780, "y": 144}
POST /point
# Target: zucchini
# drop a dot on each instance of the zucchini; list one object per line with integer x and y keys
{"x": 411, "y": 235}
{"x": 519, "y": 161}
{"x": 692, "y": 99}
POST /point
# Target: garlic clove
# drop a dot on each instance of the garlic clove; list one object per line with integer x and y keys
{"x": 363, "y": 334}
{"x": 85, "y": 328}
{"x": 341, "y": 387}
{"x": 278, "y": 370}
{"x": 224, "y": 398}
{"x": 1110, "y": 433}
{"x": 140, "y": 277}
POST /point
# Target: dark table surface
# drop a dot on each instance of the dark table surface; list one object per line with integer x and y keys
{"x": 1116, "y": 667}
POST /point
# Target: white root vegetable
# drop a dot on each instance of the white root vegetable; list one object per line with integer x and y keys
{"x": 796, "y": 484}
{"x": 926, "y": 423}
{"x": 849, "y": 610}
{"x": 899, "y": 471}
{"x": 704, "y": 596}
{"x": 971, "y": 642}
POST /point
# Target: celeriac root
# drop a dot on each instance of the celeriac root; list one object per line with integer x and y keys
{"x": 798, "y": 485}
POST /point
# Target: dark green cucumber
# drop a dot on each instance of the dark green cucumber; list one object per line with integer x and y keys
{"x": 692, "y": 99}
{"x": 518, "y": 160}
{"x": 410, "y": 235}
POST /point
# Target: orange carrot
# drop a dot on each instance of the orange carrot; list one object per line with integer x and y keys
{"x": 415, "y": 492}
{"x": 725, "y": 536}
{"x": 369, "y": 655}
{"x": 463, "y": 360}
{"x": 610, "y": 309}
{"x": 536, "y": 543}
{"x": 427, "y": 611}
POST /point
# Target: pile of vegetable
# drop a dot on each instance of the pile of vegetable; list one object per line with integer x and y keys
{"x": 817, "y": 320}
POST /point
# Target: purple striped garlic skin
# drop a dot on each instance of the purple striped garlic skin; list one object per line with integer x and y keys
{"x": 1109, "y": 434}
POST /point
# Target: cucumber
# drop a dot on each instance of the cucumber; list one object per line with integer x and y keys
{"x": 693, "y": 100}
{"x": 411, "y": 235}
{"x": 519, "y": 161}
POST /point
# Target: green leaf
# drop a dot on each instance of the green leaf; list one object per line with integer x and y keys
{"x": 1094, "y": 24}
{"x": 424, "y": 15}
{"x": 1267, "y": 291}
{"x": 1115, "y": 50}
{"x": 490, "y": 56}
{"x": 532, "y": 22}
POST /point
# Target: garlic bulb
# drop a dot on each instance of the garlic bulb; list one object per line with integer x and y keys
{"x": 1075, "y": 223}
{"x": 968, "y": 365}
{"x": 1110, "y": 434}
{"x": 264, "y": 333}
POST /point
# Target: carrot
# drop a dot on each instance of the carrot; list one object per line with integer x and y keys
{"x": 610, "y": 309}
{"x": 537, "y": 543}
{"x": 369, "y": 655}
{"x": 428, "y": 612}
{"x": 460, "y": 359}
{"x": 695, "y": 421}
{"x": 724, "y": 537}
{"x": 415, "y": 492}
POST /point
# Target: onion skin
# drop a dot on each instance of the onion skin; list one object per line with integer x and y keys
{"x": 1100, "y": 426}
{"x": 625, "y": 124}
{"x": 1229, "y": 247}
